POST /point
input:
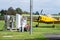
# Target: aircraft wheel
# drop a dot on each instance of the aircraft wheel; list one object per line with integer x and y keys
{"x": 36, "y": 25}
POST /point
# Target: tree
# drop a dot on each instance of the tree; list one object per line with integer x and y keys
{"x": 25, "y": 12}
{"x": 59, "y": 13}
{"x": 33, "y": 13}
{"x": 37, "y": 13}
{"x": 5, "y": 12}
{"x": 18, "y": 10}
{"x": 11, "y": 11}
{"x": 2, "y": 12}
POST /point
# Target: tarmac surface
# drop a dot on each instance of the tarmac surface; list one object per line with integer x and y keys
{"x": 54, "y": 36}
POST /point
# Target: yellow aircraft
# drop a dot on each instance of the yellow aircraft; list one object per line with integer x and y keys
{"x": 47, "y": 19}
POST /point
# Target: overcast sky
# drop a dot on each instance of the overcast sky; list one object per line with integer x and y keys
{"x": 48, "y": 6}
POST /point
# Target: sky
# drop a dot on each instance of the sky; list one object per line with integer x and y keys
{"x": 48, "y": 6}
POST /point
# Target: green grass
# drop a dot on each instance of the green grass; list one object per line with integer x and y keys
{"x": 19, "y": 35}
{"x": 1, "y": 24}
{"x": 37, "y": 34}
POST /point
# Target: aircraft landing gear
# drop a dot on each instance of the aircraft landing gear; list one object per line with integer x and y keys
{"x": 38, "y": 21}
{"x": 37, "y": 25}
{"x": 53, "y": 25}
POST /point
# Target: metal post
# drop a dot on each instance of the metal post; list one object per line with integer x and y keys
{"x": 12, "y": 22}
{"x": 31, "y": 2}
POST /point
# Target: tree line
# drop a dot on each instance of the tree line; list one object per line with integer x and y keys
{"x": 12, "y": 11}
